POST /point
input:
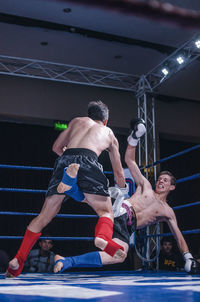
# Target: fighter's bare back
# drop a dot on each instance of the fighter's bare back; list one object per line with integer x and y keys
{"x": 84, "y": 132}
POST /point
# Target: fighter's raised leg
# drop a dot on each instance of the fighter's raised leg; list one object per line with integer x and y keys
{"x": 68, "y": 185}
{"x": 101, "y": 204}
{"x": 104, "y": 228}
{"x": 49, "y": 210}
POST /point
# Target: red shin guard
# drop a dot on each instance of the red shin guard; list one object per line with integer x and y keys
{"x": 28, "y": 242}
{"x": 104, "y": 230}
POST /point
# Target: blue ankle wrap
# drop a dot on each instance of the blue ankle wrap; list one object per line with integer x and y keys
{"x": 91, "y": 259}
{"x": 67, "y": 180}
{"x": 75, "y": 193}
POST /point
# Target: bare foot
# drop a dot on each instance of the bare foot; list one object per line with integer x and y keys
{"x": 72, "y": 171}
{"x": 59, "y": 265}
{"x": 14, "y": 265}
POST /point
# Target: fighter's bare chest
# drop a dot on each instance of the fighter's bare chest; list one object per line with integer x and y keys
{"x": 154, "y": 206}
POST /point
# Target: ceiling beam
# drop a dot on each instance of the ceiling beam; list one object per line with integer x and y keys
{"x": 30, "y": 22}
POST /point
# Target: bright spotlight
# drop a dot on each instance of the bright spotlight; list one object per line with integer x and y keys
{"x": 165, "y": 71}
{"x": 180, "y": 60}
{"x": 197, "y": 43}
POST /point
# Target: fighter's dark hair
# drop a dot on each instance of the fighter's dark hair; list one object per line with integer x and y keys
{"x": 166, "y": 239}
{"x": 97, "y": 110}
{"x": 173, "y": 179}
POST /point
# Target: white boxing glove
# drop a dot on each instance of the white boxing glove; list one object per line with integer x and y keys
{"x": 191, "y": 265}
{"x": 124, "y": 190}
{"x": 138, "y": 130}
{"x": 118, "y": 194}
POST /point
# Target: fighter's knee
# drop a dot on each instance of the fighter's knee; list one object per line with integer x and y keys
{"x": 122, "y": 258}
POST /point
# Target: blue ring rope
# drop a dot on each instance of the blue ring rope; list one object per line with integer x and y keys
{"x": 194, "y": 176}
{"x": 24, "y": 167}
{"x": 195, "y": 231}
{"x": 171, "y": 156}
{"x": 21, "y": 190}
{"x": 86, "y": 216}
{"x": 58, "y": 215}
{"x": 34, "y": 168}
{"x": 44, "y": 191}
{"x": 53, "y": 238}
{"x": 106, "y": 172}
{"x": 186, "y": 205}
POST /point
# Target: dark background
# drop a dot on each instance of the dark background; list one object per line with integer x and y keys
{"x": 24, "y": 144}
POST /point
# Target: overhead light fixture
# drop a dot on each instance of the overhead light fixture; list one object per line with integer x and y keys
{"x": 44, "y": 43}
{"x": 165, "y": 71}
{"x": 180, "y": 59}
{"x": 117, "y": 56}
{"x": 197, "y": 43}
{"x": 67, "y": 10}
{"x": 72, "y": 29}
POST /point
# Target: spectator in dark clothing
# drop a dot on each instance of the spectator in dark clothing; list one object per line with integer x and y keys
{"x": 40, "y": 260}
{"x": 3, "y": 261}
{"x": 168, "y": 259}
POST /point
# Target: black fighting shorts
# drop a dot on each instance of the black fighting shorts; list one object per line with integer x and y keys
{"x": 123, "y": 231}
{"x": 90, "y": 178}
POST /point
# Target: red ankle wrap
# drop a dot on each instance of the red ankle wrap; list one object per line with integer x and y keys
{"x": 28, "y": 242}
{"x": 112, "y": 247}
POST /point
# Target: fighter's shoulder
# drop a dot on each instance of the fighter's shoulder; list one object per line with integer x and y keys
{"x": 79, "y": 118}
{"x": 146, "y": 186}
{"x": 169, "y": 212}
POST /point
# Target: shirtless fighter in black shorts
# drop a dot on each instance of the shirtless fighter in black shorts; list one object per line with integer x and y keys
{"x": 82, "y": 143}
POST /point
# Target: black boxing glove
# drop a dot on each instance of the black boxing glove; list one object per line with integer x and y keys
{"x": 138, "y": 128}
{"x": 192, "y": 266}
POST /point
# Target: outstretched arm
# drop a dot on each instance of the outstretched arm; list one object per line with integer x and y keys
{"x": 140, "y": 180}
{"x": 138, "y": 130}
{"x": 191, "y": 265}
{"x": 172, "y": 222}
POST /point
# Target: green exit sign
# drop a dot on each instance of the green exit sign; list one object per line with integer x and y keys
{"x": 60, "y": 126}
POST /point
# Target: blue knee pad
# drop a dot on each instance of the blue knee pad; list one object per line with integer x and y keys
{"x": 75, "y": 191}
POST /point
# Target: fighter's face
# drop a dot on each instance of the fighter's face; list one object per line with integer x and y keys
{"x": 167, "y": 247}
{"x": 163, "y": 184}
{"x": 46, "y": 245}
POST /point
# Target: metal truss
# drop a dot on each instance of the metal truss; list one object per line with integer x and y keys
{"x": 37, "y": 69}
{"x": 147, "y": 155}
{"x": 188, "y": 52}
{"x": 147, "y": 84}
